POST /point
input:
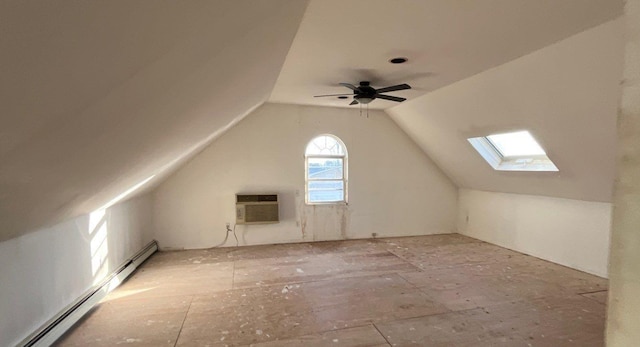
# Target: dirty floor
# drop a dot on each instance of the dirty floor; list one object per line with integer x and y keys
{"x": 439, "y": 290}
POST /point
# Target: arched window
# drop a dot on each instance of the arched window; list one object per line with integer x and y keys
{"x": 325, "y": 170}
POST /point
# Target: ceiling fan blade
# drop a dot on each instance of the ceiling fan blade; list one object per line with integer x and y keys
{"x": 319, "y": 96}
{"x": 389, "y": 97}
{"x": 348, "y": 85}
{"x": 354, "y": 102}
{"x": 393, "y": 88}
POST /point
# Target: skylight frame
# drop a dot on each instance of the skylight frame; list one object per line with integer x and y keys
{"x": 499, "y": 162}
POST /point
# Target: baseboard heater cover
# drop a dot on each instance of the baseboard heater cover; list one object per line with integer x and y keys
{"x": 58, "y": 325}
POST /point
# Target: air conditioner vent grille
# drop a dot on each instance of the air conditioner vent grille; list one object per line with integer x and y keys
{"x": 257, "y": 208}
{"x": 261, "y": 213}
{"x": 256, "y": 198}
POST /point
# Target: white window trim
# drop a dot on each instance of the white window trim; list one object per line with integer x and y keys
{"x": 344, "y": 179}
{"x": 511, "y": 163}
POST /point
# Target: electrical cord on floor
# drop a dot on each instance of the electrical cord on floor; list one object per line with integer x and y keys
{"x": 225, "y": 238}
{"x": 234, "y": 234}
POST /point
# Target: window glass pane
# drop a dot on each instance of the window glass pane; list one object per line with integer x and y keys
{"x": 326, "y": 185}
{"x": 516, "y": 144}
{"x": 324, "y": 168}
{"x": 326, "y": 191}
{"x": 326, "y": 145}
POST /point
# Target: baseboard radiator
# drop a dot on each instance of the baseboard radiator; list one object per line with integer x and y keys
{"x": 58, "y": 325}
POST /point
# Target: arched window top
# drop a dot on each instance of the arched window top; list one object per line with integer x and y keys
{"x": 326, "y": 145}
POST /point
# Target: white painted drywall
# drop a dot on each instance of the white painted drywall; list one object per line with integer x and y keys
{"x": 394, "y": 188}
{"x": 96, "y": 96}
{"x": 44, "y": 271}
{"x": 623, "y": 317}
{"x": 565, "y": 94}
{"x": 573, "y": 233}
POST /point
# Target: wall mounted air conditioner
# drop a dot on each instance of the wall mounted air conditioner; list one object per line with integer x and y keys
{"x": 256, "y": 208}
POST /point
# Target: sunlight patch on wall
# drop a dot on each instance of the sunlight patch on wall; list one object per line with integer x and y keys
{"x": 99, "y": 231}
{"x": 126, "y": 193}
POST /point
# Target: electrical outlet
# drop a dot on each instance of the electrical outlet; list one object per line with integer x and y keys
{"x": 374, "y": 235}
{"x": 228, "y": 226}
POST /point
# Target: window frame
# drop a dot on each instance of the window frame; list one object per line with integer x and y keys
{"x": 343, "y": 179}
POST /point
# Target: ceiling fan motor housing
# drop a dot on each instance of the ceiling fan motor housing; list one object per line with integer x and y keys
{"x": 364, "y": 94}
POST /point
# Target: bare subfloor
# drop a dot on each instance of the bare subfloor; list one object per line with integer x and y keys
{"x": 441, "y": 290}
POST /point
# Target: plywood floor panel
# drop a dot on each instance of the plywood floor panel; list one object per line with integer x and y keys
{"x": 131, "y": 320}
{"x": 259, "y": 314}
{"x": 552, "y": 321}
{"x": 192, "y": 279}
{"x": 439, "y": 290}
{"x": 365, "y": 336}
{"x": 314, "y": 267}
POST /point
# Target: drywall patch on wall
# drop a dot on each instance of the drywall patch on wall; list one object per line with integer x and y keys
{"x": 573, "y": 233}
{"x": 394, "y": 188}
{"x": 44, "y": 271}
{"x": 328, "y": 222}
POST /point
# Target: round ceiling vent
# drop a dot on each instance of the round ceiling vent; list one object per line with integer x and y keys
{"x": 398, "y": 60}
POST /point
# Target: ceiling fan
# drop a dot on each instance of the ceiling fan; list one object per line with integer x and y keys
{"x": 364, "y": 93}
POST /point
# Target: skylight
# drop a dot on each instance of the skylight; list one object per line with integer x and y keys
{"x": 516, "y": 144}
{"x": 516, "y": 151}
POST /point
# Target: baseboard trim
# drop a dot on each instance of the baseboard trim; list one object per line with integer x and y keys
{"x": 51, "y": 331}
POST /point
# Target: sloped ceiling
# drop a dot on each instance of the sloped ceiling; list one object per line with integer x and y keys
{"x": 565, "y": 94}
{"x": 445, "y": 41}
{"x": 477, "y": 68}
{"x": 97, "y": 96}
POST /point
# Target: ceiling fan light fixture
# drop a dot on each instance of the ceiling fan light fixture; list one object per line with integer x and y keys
{"x": 364, "y": 99}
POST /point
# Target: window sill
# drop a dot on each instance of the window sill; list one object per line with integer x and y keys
{"x": 327, "y": 203}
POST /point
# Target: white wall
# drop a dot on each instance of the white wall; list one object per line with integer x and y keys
{"x": 623, "y": 317}
{"x": 394, "y": 188}
{"x": 573, "y": 233}
{"x": 44, "y": 271}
